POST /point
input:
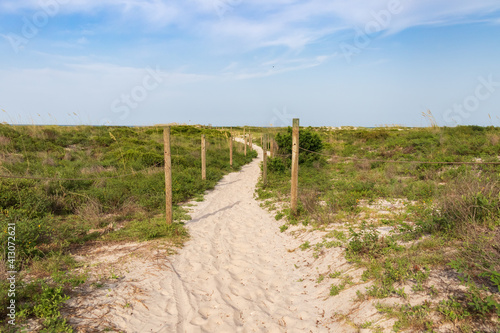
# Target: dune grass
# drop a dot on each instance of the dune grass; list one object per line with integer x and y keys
{"x": 116, "y": 193}
{"x": 448, "y": 216}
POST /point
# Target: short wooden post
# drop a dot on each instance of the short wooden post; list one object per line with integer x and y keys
{"x": 295, "y": 165}
{"x": 231, "y": 151}
{"x": 168, "y": 175}
{"x": 264, "y": 165}
{"x": 203, "y": 158}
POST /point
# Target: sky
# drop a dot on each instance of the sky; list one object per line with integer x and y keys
{"x": 250, "y": 62}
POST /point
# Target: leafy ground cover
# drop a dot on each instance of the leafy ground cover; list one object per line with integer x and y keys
{"x": 403, "y": 223}
{"x": 114, "y": 191}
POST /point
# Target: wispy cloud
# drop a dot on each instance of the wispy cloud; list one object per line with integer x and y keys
{"x": 283, "y": 23}
{"x": 276, "y": 67}
{"x": 296, "y": 24}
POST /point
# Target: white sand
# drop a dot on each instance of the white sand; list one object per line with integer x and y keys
{"x": 235, "y": 274}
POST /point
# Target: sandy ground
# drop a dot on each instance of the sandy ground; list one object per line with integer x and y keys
{"x": 237, "y": 273}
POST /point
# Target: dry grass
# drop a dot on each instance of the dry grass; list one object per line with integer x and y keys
{"x": 493, "y": 138}
{"x": 11, "y": 158}
{"x": 362, "y": 165}
{"x": 4, "y": 141}
{"x": 130, "y": 207}
{"x": 482, "y": 251}
{"x": 471, "y": 200}
{"x": 96, "y": 169}
{"x": 91, "y": 212}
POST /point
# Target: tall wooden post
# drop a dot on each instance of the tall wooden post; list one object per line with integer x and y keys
{"x": 250, "y": 141}
{"x": 231, "y": 151}
{"x": 272, "y": 146}
{"x": 168, "y": 175}
{"x": 245, "y": 138}
{"x": 264, "y": 164}
{"x": 203, "y": 158}
{"x": 295, "y": 164}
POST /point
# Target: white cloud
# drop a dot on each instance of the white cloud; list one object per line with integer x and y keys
{"x": 297, "y": 24}
{"x": 289, "y": 23}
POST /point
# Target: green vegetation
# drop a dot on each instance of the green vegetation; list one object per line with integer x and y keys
{"x": 116, "y": 193}
{"x": 404, "y": 220}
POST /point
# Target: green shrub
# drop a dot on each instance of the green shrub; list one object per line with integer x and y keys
{"x": 276, "y": 164}
{"x": 307, "y": 139}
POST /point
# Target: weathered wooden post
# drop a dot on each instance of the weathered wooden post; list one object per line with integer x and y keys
{"x": 168, "y": 175}
{"x": 203, "y": 158}
{"x": 295, "y": 165}
{"x": 231, "y": 151}
{"x": 271, "y": 143}
{"x": 250, "y": 141}
{"x": 245, "y": 138}
{"x": 264, "y": 164}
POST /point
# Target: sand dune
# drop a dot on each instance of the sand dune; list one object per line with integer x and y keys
{"x": 235, "y": 274}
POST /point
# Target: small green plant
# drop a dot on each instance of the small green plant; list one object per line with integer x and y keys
{"x": 332, "y": 244}
{"x": 416, "y": 317}
{"x": 336, "y": 289}
{"x": 279, "y": 215}
{"x": 283, "y": 228}
{"x": 433, "y": 291}
{"x": 452, "y": 310}
{"x": 360, "y": 297}
{"x": 366, "y": 324}
{"x": 401, "y": 292}
{"x": 305, "y": 246}
{"x": 335, "y": 274}
{"x": 47, "y": 306}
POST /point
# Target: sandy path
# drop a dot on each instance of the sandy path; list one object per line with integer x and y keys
{"x": 235, "y": 274}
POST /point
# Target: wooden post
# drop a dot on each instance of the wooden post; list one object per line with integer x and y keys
{"x": 264, "y": 164}
{"x": 231, "y": 151}
{"x": 168, "y": 175}
{"x": 295, "y": 165}
{"x": 203, "y": 158}
{"x": 250, "y": 141}
{"x": 272, "y": 146}
{"x": 245, "y": 138}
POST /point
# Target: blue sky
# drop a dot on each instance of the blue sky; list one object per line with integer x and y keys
{"x": 238, "y": 62}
